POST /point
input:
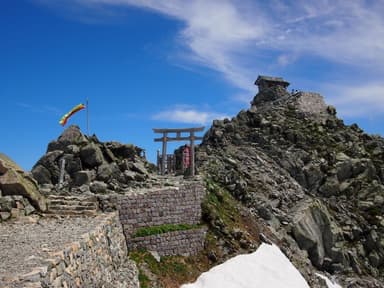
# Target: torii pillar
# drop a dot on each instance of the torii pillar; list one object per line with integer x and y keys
{"x": 178, "y": 137}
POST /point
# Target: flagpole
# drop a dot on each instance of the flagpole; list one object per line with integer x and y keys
{"x": 87, "y": 105}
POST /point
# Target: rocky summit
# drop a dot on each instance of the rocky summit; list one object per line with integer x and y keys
{"x": 78, "y": 164}
{"x": 316, "y": 183}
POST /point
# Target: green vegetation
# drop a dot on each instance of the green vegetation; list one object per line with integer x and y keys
{"x": 171, "y": 271}
{"x": 144, "y": 280}
{"x": 154, "y": 230}
{"x": 220, "y": 209}
{"x": 227, "y": 220}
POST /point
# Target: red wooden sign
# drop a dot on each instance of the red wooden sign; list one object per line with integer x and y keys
{"x": 186, "y": 156}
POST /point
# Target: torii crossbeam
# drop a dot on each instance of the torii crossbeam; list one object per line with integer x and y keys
{"x": 178, "y": 137}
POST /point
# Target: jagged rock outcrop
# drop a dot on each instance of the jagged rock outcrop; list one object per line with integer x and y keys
{"x": 316, "y": 182}
{"x": 90, "y": 165}
{"x": 316, "y": 232}
{"x": 15, "y": 182}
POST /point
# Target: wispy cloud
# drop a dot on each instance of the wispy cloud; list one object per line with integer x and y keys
{"x": 348, "y": 32}
{"x": 358, "y": 101}
{"x": 187, "y": 115}
{"x": 240, "y": 39}
{"x": 39, "y": 109}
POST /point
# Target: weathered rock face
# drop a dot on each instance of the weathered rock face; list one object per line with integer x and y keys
{"x": 318, "y": 183}
{"x": 88, "y": 162}
{"x": 15, "y": 206}
{"x": 14, "y": 181}
{"x": 270, "y": 94}
{"x": 315, "y": 232}
{"x": 3, "y": 169}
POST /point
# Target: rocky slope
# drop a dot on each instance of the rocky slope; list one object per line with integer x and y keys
{"x": 19, "y": 192}
{"x": 316, "y": 183}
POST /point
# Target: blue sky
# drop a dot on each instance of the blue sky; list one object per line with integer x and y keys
{"x": 147, "y": 64}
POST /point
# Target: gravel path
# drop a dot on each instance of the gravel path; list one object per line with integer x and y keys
{"x": 25, "y": 243}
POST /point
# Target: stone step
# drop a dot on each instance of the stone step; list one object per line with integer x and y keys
{"x": 71, "y": 202}
{"x": 76, "y": 198}
{"x": 72, "y": 205}
{"x": 73, "y": 212}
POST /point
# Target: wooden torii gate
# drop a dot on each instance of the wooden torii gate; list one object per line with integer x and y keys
{"x": 178, "y": 137}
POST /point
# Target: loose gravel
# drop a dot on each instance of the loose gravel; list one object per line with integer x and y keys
{"x": 24, "y": 244}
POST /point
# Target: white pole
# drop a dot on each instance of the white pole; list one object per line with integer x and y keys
{"x": 61, "y": 177}
{"x": 87, "y": 106}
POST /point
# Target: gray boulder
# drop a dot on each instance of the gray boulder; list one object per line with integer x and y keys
{"x": 7, "y": 203}
{"x": 344, "y": 170}
{"x": 71, "y": 135}
{"x": 16, "y": 182}
{"x": 129, "y": 176}
{"x": 138, "y": 167}
{"x": 363, "y": 169}
{"x": 91, "y": 155}
{"x": 108, "y": 155}
{"x": 82, "y": 178}
{"x": 98, "y": 187}
{"x": 313, "y": 176}
{"x": 315, "y": 232}
{"x": 72, "y": 164}
{"x": 104, "y": 172}
{"x": 50, "y": 162}
{"x": 123, "y": 151}
{"x": 72, "y": 149}
{"x": 330, "y": 187}
{"x": 42, "y": 174}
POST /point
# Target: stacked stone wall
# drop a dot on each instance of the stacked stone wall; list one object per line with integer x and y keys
{"x": 99, "y": 259}
{"x": 312, "y": 103}
{"x": 172, "y": 205}
{"x": 185, "y": 242}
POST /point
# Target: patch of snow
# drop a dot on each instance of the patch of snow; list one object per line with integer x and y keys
{"x": 267, "y": 267}
{"x": 329, "y": 283}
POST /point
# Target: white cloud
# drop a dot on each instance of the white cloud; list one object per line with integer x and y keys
{"x": 286, "y": 59}
{"x": 218, "y": 31}
{"x": 349, "y": 32}
{"x": 241, "y": 39}
{"x": 187, "y": 115}
{"x": 358, "y": 101}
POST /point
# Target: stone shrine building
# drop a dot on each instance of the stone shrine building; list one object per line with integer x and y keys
{"x": 264, "y": 82}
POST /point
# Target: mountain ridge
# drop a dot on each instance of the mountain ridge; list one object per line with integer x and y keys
{"x": 314, "y": 181}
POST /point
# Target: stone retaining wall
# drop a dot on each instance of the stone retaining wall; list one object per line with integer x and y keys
{"x": 173, "y": 205}
{"x": 186, "y": 242}
{"x": 99, "y": 259}
{"x": 312, "y": 103}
